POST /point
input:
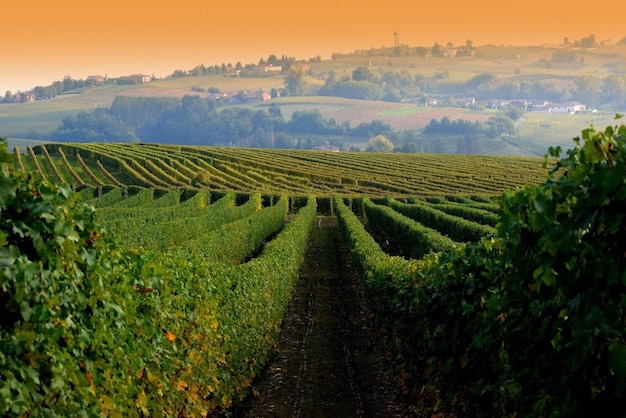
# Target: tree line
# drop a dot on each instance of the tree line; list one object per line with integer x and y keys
{"x": 194, "y": 120}
{"x": 69, "y": 84}
{"x": 393, "y": 86}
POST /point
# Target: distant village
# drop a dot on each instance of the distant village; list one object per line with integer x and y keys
{"x": 245, "y": 96}
{"x": 528, "y": 105}
{"x": 69, "y": 85}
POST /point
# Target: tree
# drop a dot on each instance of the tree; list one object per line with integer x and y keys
{"x": 362, "y": 74}
{"x": 294, "y": 81}
{"x": 613, "y": 90}
{"x": 379, "y": 143}
{"x": 436, "y": 50}
{"x": 275, "y": 113}
{"x": 479, "y": 79}
{"x": 588, "y": 89}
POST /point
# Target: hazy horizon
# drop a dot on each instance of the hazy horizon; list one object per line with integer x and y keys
{"x": 43, "y": 41}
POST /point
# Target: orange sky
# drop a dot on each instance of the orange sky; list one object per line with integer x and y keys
{"x": 42, "y": 40}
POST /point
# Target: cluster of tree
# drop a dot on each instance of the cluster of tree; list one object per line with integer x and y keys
{"x": 196, "y": 121}
{"x": 243, "y": 70}
{"x": 50, "y": 91}
{"x": 563, "y": 59}
{"x": 593, "y": 91}
{"x": 68, "y": 85}
{"x": 495, "y": 126}
{"x": 402, "y": 50}
{"x": 447, "y": 127}
{"x": 193, "y": 120}
{"x": 394, "y": 86}
{"x": 586, "y": 42}
{"x": 363, "y": 84}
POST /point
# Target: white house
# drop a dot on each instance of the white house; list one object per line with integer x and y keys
{"x": 568, "y": 107}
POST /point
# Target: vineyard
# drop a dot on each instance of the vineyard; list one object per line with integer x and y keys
{"x": 152, "y": 280}
{"x": 273, "y": 172}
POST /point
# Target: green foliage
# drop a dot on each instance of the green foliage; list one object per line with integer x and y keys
{"x": 62, "y": 295}
{"x": 479, "y": 215}
{"x": 89, "y": 329}
{"x": 300, "y": 172}
{"x": 458, "y": 229}
{"x": 412, "y": 239}
{"x": 5, "y": 157}
{"x": 565, "y": 243}
{"x": 233, "y": 242}
{"x": 531, "y": 321}
{"x": 379, "y": 143}
{"x": 161, "y": 229}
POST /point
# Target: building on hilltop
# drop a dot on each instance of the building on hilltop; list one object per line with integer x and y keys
{"x": 271, "y": 68}
{"x": 96, "y": 79}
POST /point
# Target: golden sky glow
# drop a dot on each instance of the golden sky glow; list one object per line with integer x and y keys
{"x": 43, "y": 40}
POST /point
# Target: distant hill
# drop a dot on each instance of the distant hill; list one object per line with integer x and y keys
{"x": 406, "y": 81}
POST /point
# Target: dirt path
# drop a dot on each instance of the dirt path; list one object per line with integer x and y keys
{"x": 328, "y": 362}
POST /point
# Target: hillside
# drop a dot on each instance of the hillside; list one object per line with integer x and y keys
{"x": 490, "y": 74}
{"x": 271, "y": 171}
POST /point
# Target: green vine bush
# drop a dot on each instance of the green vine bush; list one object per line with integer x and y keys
{"x": 90, "y": 329}
{"x": 62, "y": 300}
{"x": 529, "y": 322}
{"x": 562, "y": 307}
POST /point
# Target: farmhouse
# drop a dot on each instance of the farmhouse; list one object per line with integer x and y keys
{"x": 271, "y": 68}
{"x": 566, "y": 107}
{"x": 24, "y": 97}
{"x": 569, "y": 107}
{"x": 95, "y": 79}
{"x": 144, "y": 78}
{"x": 136, "y": 79}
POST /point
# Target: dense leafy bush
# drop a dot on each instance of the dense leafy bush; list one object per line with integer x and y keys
{"x": 413, "y": 239}
{"x": 90, "y": 329}
{"x": 563, "y": 309}
{"x": 457, "y": 228}
{"x": 62, "y": 300}
{"x": 529, "y": 322}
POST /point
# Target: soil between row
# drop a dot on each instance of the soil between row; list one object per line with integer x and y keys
{"x": 330, "y": 361}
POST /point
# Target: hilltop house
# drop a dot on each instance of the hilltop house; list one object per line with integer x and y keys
{"x": 271, "y": 68}
{"x": 23, "y": 97}
{"x": 96, "y": 79}
{"x": 142, "y": 77}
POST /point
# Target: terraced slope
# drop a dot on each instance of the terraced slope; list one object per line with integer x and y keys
{"x": 273, "y": 171}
